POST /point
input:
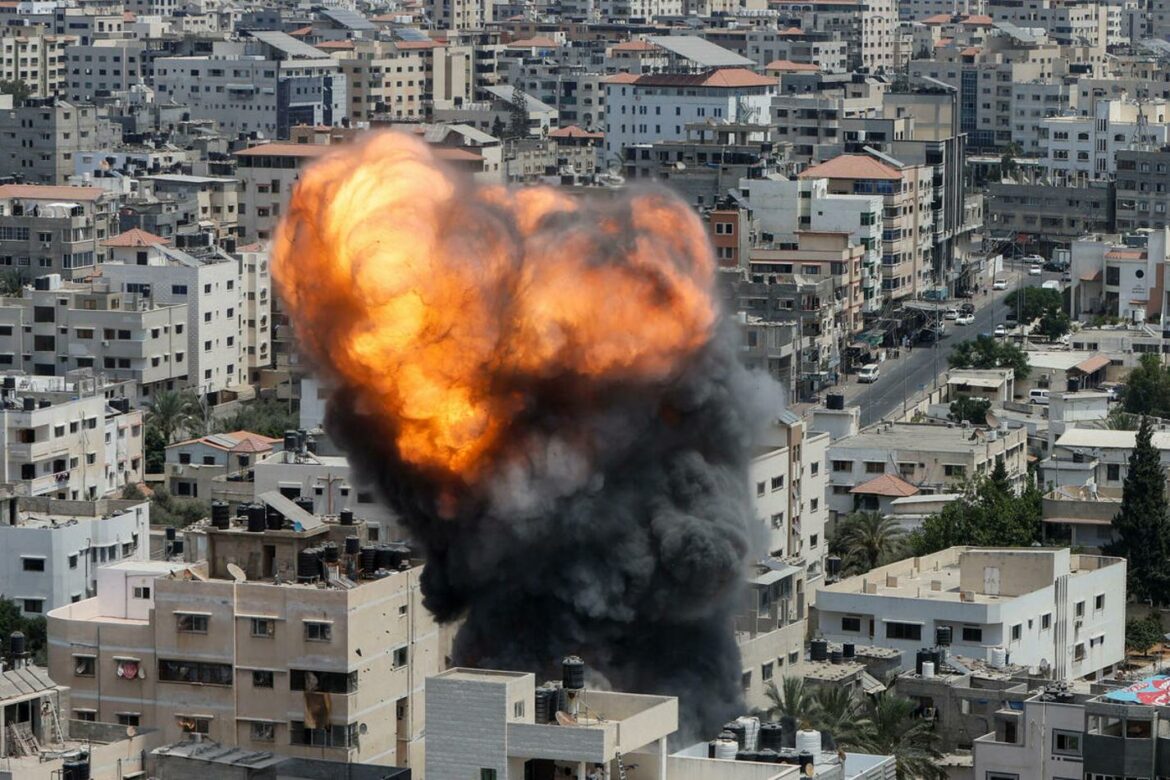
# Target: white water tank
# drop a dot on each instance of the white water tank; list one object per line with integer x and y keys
{"x": 928, "y": 670}
{"x": 998, "y": 657}
{"x": 808, "y": 741}
{"x": 726, "y": 749}
{"x": 751, "y": 732}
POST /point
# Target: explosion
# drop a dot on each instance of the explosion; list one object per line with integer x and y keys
{"x": 543, "y": 390}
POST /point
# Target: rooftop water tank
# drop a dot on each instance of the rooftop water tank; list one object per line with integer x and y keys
{"x": 808, "y": 741}
{"x": 573, "y": 673}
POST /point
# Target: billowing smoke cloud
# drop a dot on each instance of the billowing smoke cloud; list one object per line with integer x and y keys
{"x": 543, "y": 390}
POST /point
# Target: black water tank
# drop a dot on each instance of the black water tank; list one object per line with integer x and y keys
{"x": 353, "y": 545}
{"x": 30, "y": 404}
{"x": 834, "y": 401}
{"x": 771, "y": 737}
{"x": 832, "y": 565}
{"x": 848, "y": 651}
{"x": 346, "y": 517}
{"x": 177, "y": 547}
{"x": 921, "y": 657}
{"x": 273, "y": 519}
{"x": 1074, "y": 384}
{"x": 308, "y": 567}
{"x": 16, "y": 644}
{"x": 573, "y": 673}
{"x": 256, "y": 518}
{"x": 806, "y": 760}
{"x": 747, "y": 755}
{"x": 332, "y": 555}
{"x": 220, "y": 514}
{"x": 943, "y": 635}
{"x": 819, "y": 650}
{"x": 836, "y": 657}
{"x": 291, "y": 441}
{"x": 387, "y": 558}
{"x": 738, "y": 730}
{"x": 546, "y": 705}
{"x": 369, "y": 559}
{"x": 75, "y": 768}
{"x": 44, "y": 403}
{"x": 170, "y": 533}
{"x": 766, "y": 756}
{"x": 305, "y": 503}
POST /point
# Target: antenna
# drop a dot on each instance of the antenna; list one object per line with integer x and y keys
{"x": 237, "y": 573}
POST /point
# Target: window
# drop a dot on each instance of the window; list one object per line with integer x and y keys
{"x": 1113, "y": 471}
{"x": 262, "y": 627}
{"x": 842, "y": 465}
{"x": 142, "y": 592}
{"x": 191, "y": 725}
{"x": 1099, "y": 601}
{"x": 912, "y": 631}
{"x": 1066, "y": 743}
{"x": 875, "y": 467}
{"x": 261, "y": 678}
{"x": 84, "y": 665}
{"x": 184, "y": 458}
{"x": 972, "y": 634}
{"x": 325, "y": 682}
{"x": 33, "y": 564}
{"x": 487, "y": 774}
{"x": 777, "y": 483}
{"x": 814, "y": 504}
{"x": 187, "y": 623}
{"x": 1017, "y": 632}
{"x": 851, "y": 623}
{"x": 178, "y": 289}
{"x": 194, "y": 672}
{"x": 34, "y": 606}
{"x": 1046, "y": 621}
{"x": 400, "y": 657}
{"x": 954, "y": 469}
{"x": 89, "y": 715}
{"x": 128, "y": 719}
{"x": 263, "y": 732}
{"x": 1079, "y": 651}
{"x": 73, "y": 561}
{"x": 1001, "y": 776}
{"x": 746, "y": 680}
{"x": 318, "y": 632}
{"x": 1079, "y": 609}
{"x": 794, "y": 657}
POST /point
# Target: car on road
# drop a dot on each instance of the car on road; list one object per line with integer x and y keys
{"x": 1035, "y": 270}
{"x": 967, "y": 308}
{"x": 1001, "y": 330}
{"x": 868, "y": 374}
{"x": 1056, "y": 265}
{"x": 964, "y": 319}
{"x": 1038, "y": 396}
{"x": 951, "y": 314}
{"x": 1032, "y": 260}
{"x": 999, "y": 284}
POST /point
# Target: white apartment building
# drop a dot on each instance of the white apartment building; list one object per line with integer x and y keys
{"x": 56, "y": 546}
{"x": 62, "y": 438}
{"x": 1042, "y": 607}
{"x": 57, "y": 327}
{"x": 1096, "y": 458}
{"x": 787, "y": 479}
{"x": 210, "y": 286}
{"x": 1044, "y": 741}
{"x": 256, "y": 322}
{"x": 286, "y": 659}
{"x": 47, "y": 229}
{"x": 649, "y": 108}
{"x": 932, "y": 458}
{"x": 1121, "y": 280}
{"x": 1069, "y": 24}
{"x": 459, "y": 14}
{"x": 1085, "y": 147}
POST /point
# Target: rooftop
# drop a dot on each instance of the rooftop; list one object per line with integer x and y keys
{"x": 236, "y": 441}
{"x": 701, "y": 51}
{"x": 277, "y": 149}
{"x": 724, "y": 78}
{"x": 50, "y": 192}
{"x": 852, "y": 166}
{"x": 135, "y": 237}
{"x": 886, "y": 485}
{"x": 912, "y": 437}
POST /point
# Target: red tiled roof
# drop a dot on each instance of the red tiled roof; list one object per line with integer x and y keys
{"x": 886, "y": 485}
{"x": 129, "y": 16}
{"x": 792, "y": 31}
{"x": 852, "y": 166}
{"x": 788, "y": 66}
{"x": 283, "y": 150}
{"x": 621, "y": 78}
{"x": 937, "y": 19}
{"x": 245, "y": 441}
{"x": 1093, "y": 364}
{"x": 301, "y": 32}
{"x": 135, "y": 237}
{"x": 979, "y": 20}
{"x": 1125, "y": 254}
{"x": 409, "y": 45}
{"x": 572, "y": 131}
{"x": 944, "y": 42}
{"x": 970, "y": 51}
{"x": 340, "y": 45}
{"x": 456, "y": 155}
{"x": 636, "y": 45}
{"x": 724, "y": 78}
{"x": 50, "y": 192}
{"x": 530, "y": 43}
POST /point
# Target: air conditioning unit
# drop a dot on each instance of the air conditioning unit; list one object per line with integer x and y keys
{"x": 105, "y": 343}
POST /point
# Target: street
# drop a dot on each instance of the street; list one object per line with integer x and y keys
{"x": 904, "y": 377}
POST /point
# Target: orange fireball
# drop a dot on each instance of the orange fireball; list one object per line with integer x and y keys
{"x": 438, "y": 300}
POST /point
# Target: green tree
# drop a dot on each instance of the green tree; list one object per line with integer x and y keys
{"x": 894, "y": 730}
{"x": 518, "y": 114}
{"x": 1033, "y": 302}
{"x": 839, "y": 711}
{"x": 170, "y": 412}
{"x": 33, "y": 628}
{"x": 265, "y": 416}
{"x": 1143, "y": 633}
{"x": 166, "y": 509}
{"x": 792, "y": 699}
{"x": 1007, "y": 162}
{"x": 19, "y": 90}
{"x": 970, "y": 409}
{"x": 1053, "y": 324}
{"x": 1142, "y": 526}
{"x": 867, "y": 540}
{"x": 12, "y": 281}
{"x": 499, "y": 129}
{"x": 155, "y": 447}
{"x": 989, "y": 514}
{"x": 1147, "y": 388}
{"x": 1120, "y": 420}
{"x": 986, "y": 352}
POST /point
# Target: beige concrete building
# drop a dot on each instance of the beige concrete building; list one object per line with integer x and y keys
{"x": 267, "y": 173}
{"x": 280, "y": 641}
{"x": 34, "y": 58}
{"x": 383, "y": 78}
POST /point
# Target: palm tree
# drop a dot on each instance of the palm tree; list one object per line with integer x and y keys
{"x": 791, "y": 700}
{"x": 839, "y": 712}
{"x": 868, "y": 539}
{"x": 11, "y": 281}
{"x": 170, "y": 412}
{"x": 893, "y": 730}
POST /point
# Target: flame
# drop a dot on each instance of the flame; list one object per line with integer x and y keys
{"x": 442, "y": 303}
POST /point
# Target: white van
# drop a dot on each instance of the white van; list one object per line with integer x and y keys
{"x": 868, "y": 373}
{"x": 1038, "y": 396}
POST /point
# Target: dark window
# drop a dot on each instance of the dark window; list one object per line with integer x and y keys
{"x": 972, "y": 634}
{"x": 904, "y": 631}
{"x": 197, "y": 672}
{"x": 128, "y": 719}
{"x": 1066, "y": 743}
{"x": 191, "y": 624}
{"x": 184, "y": 458}
{"x": 335, "y": 735}
{"x": 850, "y": 623}
{"x": 1113, "y": 471}
{"x": 325, "y": 682}
{"x": 261, "y": 679}
{"x": 33, "y": 564}
{"x": 43, "y": 314}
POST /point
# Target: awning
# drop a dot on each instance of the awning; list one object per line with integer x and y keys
{"x": 1092, "y": 365}
{"x": 871, "y": 684}
{"x": 975, "y": 381}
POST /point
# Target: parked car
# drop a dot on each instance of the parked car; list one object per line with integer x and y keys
{"x": 967, "y": 308}
{"x": 1035, "y": 270}
{"x": 1001, "y": 330}
{"x": 1038, "y": 396}
{"x": 964, "y": 319}
{"x": 999, "y": 284}
{"x": 1055, "y": 265}
{"x": 869, "y": 373}
{"x": 951, "y": 314}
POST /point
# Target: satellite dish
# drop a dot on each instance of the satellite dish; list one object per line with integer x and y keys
{"x": 237, "y": 573}
{"x": 992, "y": 420}
{"x": 131, "y": 732}
{"x": 565, "y": 719}
{"x": 810, "y": 770}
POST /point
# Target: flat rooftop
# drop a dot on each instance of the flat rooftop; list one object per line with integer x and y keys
{"x": 913, "y": 436}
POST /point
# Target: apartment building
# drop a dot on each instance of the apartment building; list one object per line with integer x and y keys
{"x": 771, "y": 629}
{"x": 1143, "y": 188}
{"x": 62, "y": 438}
{"x": 1096, "y": 458}
{"x": 1035, "y": 606}
{"x": 279, "y": 641}
{"x": 658, "y": 107}
{"x": 1046, "y": 216}
{"x": 47, "y": 229}
{"x": 267, "y": 173}
{"x": 35, "y": 58}
{"x": 932, "y": 458}
{"x": 208, "y": 282}
{"x": 41, "y": 138}
{"x": 57, "y": 327}
{"x": 383, "y": 79}
{"x": 193, "y": 465}
{"x": 870, "y": 29}
{"x": 256, "y": 318}
{"x": 456, "y": 15}
{"x": 1086, "y": 147}
{"x": 787, "y": 475}
{"x": 908, "y": 196}
{"x": 102, "y": 68}
{"x": 204, "y": 201}
{"x": 821, "y": 253}
{"x": 55, "y": 546}
{"x": 773, "y": 49}
{"x": 1069, "y": 24}
{"x": 1122, "y": 279}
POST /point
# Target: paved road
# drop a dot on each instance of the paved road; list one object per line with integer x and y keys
{"x": 905, "y": 377}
